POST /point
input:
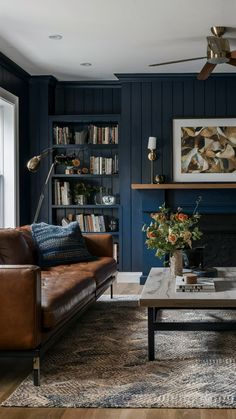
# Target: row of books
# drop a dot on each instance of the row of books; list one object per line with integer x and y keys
{"x": 103, "y": 135}
{"x": 62, "y": 193}
{"x": 62, "y": 135}
{"x": 104, "y": 165}
{"x": 92, "y": 135}
{"x": 91, "y": 223}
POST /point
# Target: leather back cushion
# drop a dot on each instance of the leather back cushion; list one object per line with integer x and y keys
{"x": 27, "y": 234}
{"x": 14, "y": 249}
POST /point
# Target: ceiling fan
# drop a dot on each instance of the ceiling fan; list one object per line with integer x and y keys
{"x": 218, "y": 52}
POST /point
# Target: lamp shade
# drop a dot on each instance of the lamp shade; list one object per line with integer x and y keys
{"x": 34, "y": 163}
{"x": 152, "y": 143}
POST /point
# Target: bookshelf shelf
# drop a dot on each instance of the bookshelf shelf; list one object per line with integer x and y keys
{"x": 83, "y": 146}
{"x": 93, "y": 140}
{"x": 87, "y": 206}
{"x": 89, "y": 176}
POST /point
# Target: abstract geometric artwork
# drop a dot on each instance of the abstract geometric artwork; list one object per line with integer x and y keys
{"x": 204, "y": 150}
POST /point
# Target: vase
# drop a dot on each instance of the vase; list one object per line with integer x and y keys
{"x": 176, "y": 263}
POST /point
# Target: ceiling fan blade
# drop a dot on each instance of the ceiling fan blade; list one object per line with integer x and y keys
{"x": 232, "y": 61}
{"x": 233, "y": 54}
{"x": 177, "y": 61}
{"x": 206, "y": 71}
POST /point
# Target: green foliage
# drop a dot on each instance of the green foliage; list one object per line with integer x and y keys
{"x": 85, "y": 189}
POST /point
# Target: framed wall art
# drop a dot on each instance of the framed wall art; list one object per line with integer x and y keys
{"x": 204, "y": 150}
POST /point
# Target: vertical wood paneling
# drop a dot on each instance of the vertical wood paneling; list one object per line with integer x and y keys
{"x": 136, "y": 169}
{"x": 147, "y": 129}
{"x": 125, "y": 175}
{"x": 220, "y": 97}
{"x": 188, "y": 94}
{"x": 199, "y": 98}
{"x": 156, "y": 111}
{"x": 210, "y": 98}
{"x": 230, "y": 97}
{"x": 78, "y": 102}
{"x": 107, "y": 100}
{"x": 167, "y": 127}
{"x": 168, "y": 98}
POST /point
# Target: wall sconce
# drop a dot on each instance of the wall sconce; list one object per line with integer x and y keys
{"x": 152, "y": 145}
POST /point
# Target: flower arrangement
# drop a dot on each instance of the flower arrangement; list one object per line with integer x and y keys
{"x": 170, "y": 231}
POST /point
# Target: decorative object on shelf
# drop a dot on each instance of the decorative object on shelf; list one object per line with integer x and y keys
{"x": 33, "y": 165}
{"x": 82, "y": 192}
{"x": 204, "y": 150}
{"x": 170, "y": 232}
{"x": 160, "y": 179}
{"x": 69, "y": 170}
{"x": 152, "y": 154}
{"x": 113, "y": 224}
{"x": 108, "y": 200}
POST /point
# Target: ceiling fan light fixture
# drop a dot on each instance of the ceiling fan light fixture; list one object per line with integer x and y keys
{"x": 217, "y": 58}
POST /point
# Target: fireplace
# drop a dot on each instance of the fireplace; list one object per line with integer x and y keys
{"x": 219, "y": 239}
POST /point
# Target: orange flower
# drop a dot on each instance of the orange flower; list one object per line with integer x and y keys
{"x": 151, "y": 234}
{"x": 181, "y": 216}
{"x": 172, "y": 238}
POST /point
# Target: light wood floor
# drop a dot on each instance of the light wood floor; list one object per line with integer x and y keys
{"x": 13, "y": 371}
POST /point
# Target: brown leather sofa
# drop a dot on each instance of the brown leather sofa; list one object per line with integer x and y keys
{"x": 36, "y": 305}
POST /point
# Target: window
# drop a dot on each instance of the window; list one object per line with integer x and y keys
{"x": 9, "y": 190}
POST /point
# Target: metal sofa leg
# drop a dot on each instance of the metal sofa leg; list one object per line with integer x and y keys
{"x": 111, "y": 288}
{"x": 36, "y": 370}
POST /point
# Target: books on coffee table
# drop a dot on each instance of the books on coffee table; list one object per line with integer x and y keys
{"x": 202, "y": 285}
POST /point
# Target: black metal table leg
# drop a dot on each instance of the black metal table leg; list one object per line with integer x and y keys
{"x": 151, "y": 334}
{"x": 36, "y": 370}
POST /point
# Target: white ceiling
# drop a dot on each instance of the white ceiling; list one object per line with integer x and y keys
{"x": 116, "y": 36}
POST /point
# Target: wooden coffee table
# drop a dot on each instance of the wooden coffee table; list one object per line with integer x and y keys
{"x": 159, "y": 294}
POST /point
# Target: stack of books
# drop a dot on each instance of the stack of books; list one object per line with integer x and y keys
{"x": 202, "y": 285}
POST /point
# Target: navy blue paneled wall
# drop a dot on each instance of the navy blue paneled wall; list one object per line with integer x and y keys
{"x": 91, "y": 98}
{"x": 15, "y": 80}
{"x": 149, "y": 104}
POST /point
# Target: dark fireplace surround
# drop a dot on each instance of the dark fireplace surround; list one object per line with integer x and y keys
{"x": 218, "y": 240}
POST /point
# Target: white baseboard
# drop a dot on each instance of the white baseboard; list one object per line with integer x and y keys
{"x": 133, "y": 277}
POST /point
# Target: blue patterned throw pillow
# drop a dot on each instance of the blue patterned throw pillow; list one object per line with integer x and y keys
{"x": 60, "y": 245}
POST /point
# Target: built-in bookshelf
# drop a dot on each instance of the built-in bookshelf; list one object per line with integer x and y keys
{"x": 85, "y": 182}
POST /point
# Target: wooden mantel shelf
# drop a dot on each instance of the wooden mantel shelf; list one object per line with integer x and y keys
{"x": 228, "y": 185}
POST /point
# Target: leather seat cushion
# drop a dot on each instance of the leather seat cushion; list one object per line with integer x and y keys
{"x": 101, "y": 268}
{"x": 63, "y": 288}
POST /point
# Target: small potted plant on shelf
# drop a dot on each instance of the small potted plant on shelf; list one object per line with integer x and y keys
{"x": 82, "y": 192}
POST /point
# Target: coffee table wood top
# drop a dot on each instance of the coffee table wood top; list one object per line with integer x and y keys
{"x": 159, "y": 291}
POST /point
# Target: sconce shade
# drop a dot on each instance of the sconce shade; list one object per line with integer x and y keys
{"x": 152, "y": 143}
{"x": 34, "y": 163}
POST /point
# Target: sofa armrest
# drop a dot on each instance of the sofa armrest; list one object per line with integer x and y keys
{"x": 99, "y": 244}
{"x": 20, "y": 306}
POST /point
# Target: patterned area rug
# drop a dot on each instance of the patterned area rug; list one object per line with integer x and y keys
{"x": 102, "y": 362}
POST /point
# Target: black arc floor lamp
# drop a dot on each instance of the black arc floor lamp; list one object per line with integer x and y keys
{"x": 33, "y": 166}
